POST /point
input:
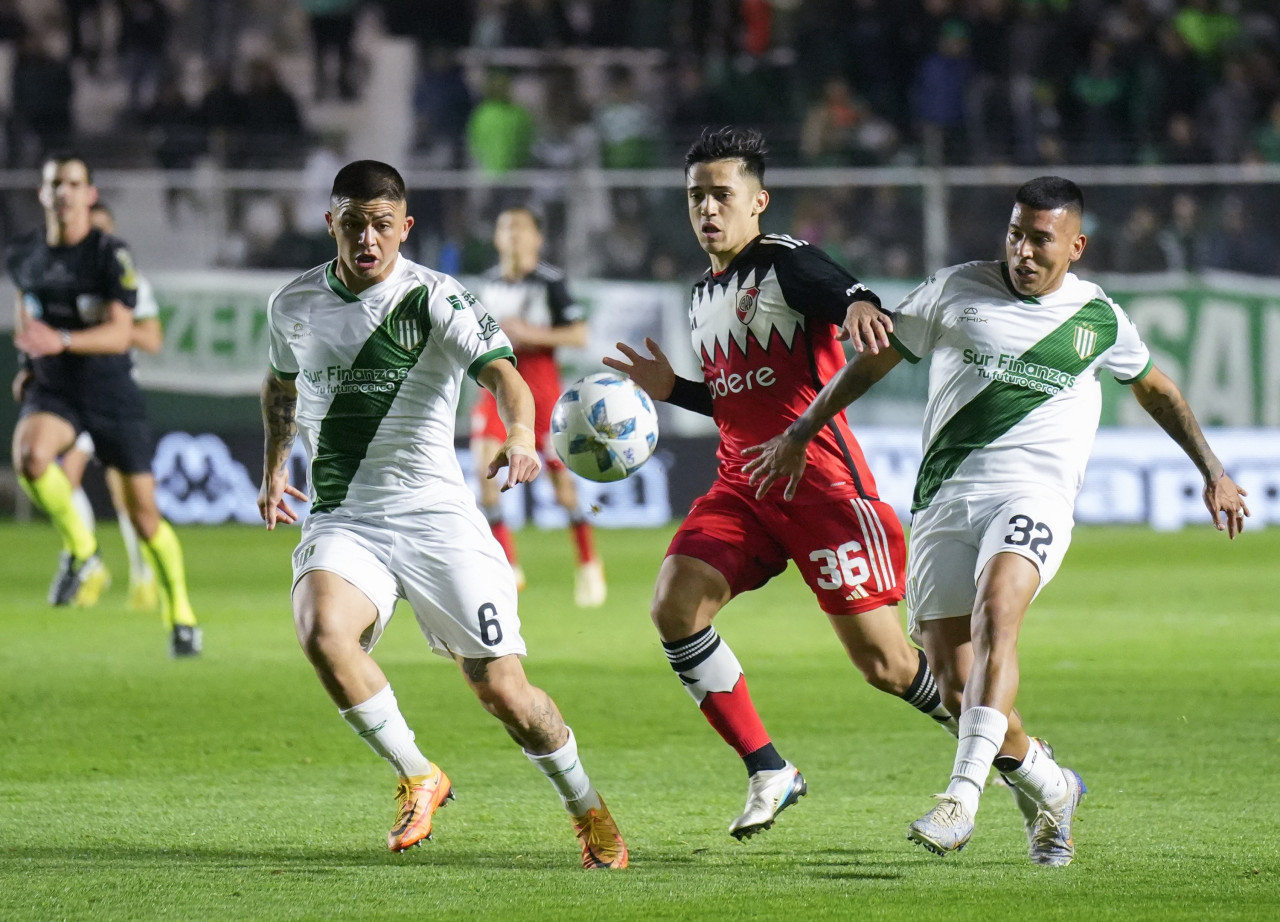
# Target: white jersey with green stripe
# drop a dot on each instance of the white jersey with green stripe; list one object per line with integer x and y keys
{"x": 1014, "y": 395}
{"x": 379, "y": 376}
{"x": 147, "y": 308}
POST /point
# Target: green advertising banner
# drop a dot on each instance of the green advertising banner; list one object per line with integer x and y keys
{"x": 1217, "y": 335}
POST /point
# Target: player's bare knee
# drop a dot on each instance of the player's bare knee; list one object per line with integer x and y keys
{"x": 500, "y": 692}
{"x": 146, "y": 520}
{"x": 673, "y": 619}
{"x": 995, "y": 623}
{"x": 889, "y": 677}
{"x": 30, "y": 462}
{"x": 322, "y": 641}
{"x": 567, "y": 496}
{"x": 995, "y": 632}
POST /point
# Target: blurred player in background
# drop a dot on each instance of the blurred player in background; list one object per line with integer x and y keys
{"x": 367, "y": 358}
{"x": 1013, "y": 409}
{"x": 767, "y": 320}
{"x": 74, "y": 321}
{"x": 531, "y": 303}
{"x": 148, "y": 335}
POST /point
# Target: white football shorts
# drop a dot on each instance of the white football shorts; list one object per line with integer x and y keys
{"x": 445, "y": 563}
{"x": 952, "y": 541}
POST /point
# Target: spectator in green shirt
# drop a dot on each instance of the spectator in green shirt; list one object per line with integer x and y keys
{"x": 500, "y": 132}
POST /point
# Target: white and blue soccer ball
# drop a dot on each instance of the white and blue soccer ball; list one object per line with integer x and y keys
{"x": 604, "y": 427}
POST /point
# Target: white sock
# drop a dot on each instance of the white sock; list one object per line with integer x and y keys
{"x": 84, "y": 508}
{"x": 567, "y": 776}
{"x": 704, "y": 663}
{"x": 379, "y": 723}
{"x": 1039, "y": 777}
{"x": 139, "y": 571}
{"x": 982, "y": 733}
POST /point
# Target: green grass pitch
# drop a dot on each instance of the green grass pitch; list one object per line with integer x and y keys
{"x": 136, "y": 787}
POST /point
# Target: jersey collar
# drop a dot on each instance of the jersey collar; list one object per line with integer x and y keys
{"x": 1008, "y": 283}
{"x": 724, "y": 274}
{"x": 346, "y": 294}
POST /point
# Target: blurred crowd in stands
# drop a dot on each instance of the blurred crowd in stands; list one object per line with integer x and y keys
{"x": 504, "y": 85}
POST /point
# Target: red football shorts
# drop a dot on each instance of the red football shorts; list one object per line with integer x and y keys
{"x": 544, "y": 380}
{"x": 850, "y": 552}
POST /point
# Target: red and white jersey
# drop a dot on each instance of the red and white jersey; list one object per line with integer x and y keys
{"x": 540, "y": 298}
{"x": 765, "y": 332}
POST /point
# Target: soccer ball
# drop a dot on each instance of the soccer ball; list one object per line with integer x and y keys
{"x": 604, "y": 427}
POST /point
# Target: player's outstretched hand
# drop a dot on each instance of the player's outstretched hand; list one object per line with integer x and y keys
{"x": 654, "y": 375}
{"x": 271, "y": 500}
{"x": 1223, "y": 497}
{"x": 518, "y": 455}
{"x": 781, "y": 456}
{"x": 20, "y": 382}
{"x": 518, "y": 332}
{"x": 38, "y": 339}
{"x": 866, "y": 327}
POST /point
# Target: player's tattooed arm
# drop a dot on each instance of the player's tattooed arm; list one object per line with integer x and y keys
{"x": 1164, "y": 403}
{"x": 279, "y": 420}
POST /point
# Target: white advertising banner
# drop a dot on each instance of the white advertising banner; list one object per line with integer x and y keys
{"x": 1135, "y": 476}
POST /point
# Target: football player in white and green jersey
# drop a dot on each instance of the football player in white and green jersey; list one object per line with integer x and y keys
{"x": 368, "y": 354}
{"x": 1014, "y": 402}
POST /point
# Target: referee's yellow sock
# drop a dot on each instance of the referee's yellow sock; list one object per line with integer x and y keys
{"x": 171, "y": 574}
{"x": 51, "y": 492}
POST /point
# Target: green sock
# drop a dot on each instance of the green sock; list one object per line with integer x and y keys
{"x": 166, "y": 559}
{"x": 51, "y": 492}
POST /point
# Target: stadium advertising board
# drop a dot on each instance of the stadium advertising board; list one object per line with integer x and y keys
{"x": 1135, "y": 476}
{"x": 1217, "y": 335}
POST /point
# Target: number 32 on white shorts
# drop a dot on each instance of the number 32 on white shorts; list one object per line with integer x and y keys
{"x": 952, "y": 542}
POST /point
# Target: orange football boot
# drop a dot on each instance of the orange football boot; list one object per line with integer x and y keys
{"x": 602, "y": 845}
{"x": 419, "y": 798}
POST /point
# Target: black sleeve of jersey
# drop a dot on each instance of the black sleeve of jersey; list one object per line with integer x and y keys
{"x": 564, "y": 310}
{"x": 15, "y": 256}
{"x": 690, "y": 395}
{"x": 120, "y": 278}
{"x": 817, "y": 286}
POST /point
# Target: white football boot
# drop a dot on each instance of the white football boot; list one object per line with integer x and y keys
{"x": 768, "y": 794}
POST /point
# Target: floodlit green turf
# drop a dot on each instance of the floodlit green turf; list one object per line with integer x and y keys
{"x": 136, "y": 787}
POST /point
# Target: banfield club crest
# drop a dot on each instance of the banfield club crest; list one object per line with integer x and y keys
{"x": 1085, "y": 341}
{"x": 746, "y": 306}
{"x": 408, "y": 333}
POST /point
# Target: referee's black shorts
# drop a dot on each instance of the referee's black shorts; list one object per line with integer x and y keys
{"x": 122, "y": 441}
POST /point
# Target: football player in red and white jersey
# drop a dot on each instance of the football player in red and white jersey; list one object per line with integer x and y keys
{"x": 531, "y": 303}
{"x": 767, "y": 323}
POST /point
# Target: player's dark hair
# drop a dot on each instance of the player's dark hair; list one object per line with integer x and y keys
{"x": 367, "y": 181}
{"x": 534, "y": 213}
{"x": 729, "y": 143}
{"x": 1049, "y": 193}
{"x": 58, "y": 158}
